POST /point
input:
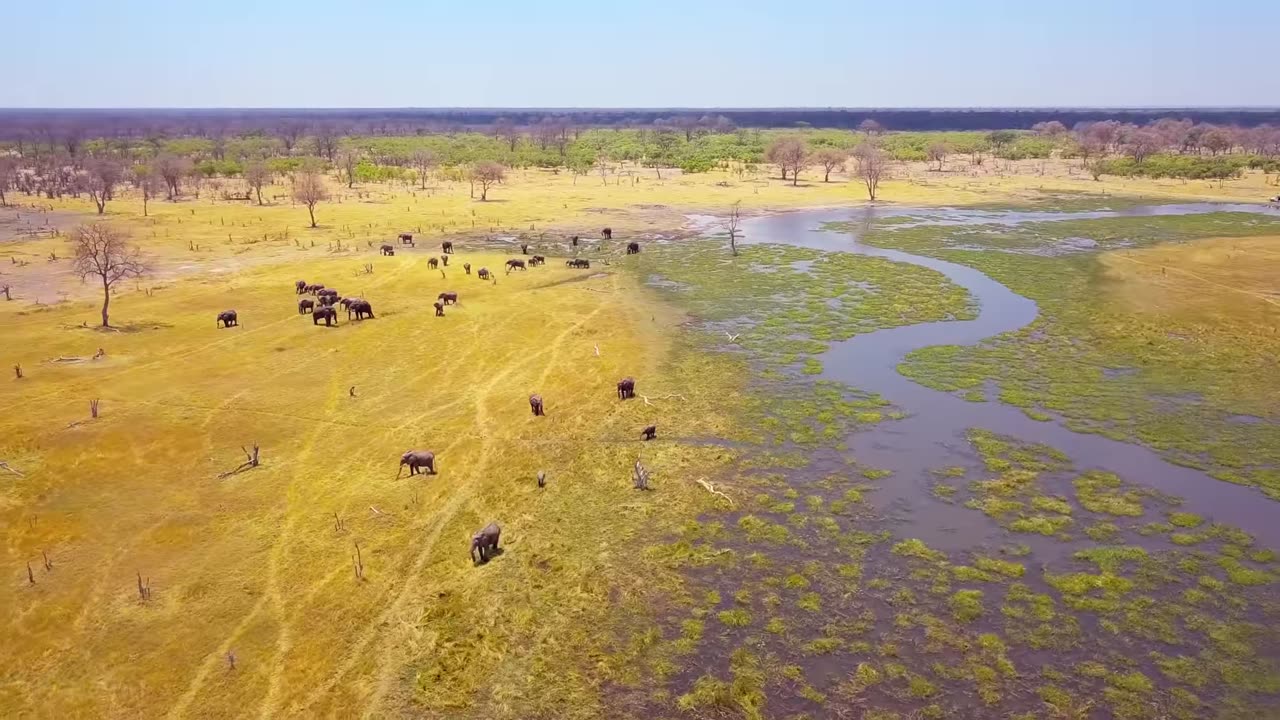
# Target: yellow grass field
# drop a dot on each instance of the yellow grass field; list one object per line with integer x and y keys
{"x": 258, "y": 567}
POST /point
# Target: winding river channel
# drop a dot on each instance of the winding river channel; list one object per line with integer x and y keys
{"x": 933, "y": 434}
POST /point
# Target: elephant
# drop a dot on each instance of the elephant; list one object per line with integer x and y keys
{"x": 439, "y": 306}
{"x": 388, "y": 250}
{"x": 626, "y": 388}
{"x": 327, "y": 291}
{"x": 327, "y": 312}
{"x": 574, "y": 240}
{"x": 633, "y": 248}
{"x": 227, "y": 318}
{"x": 485, "y": 543}
{"x": 306, "y": 305}
{"x": 524, "y": 248}
{"x": 449, "y": 298}
{"x": 328, "y": 300}
{"x": 300, "y": 286}
{"x": 361, "y": 308}
{"x": 578, "y": 263}
{"x": 538, "y": 260}
{"x": 433, "y": 263}
{"x": 346, "y": 302}
{"x": 513, "y": 264}
{"x": 542, "y": 478}
{"x": 535, "y": 404}
{"x": 417, "y": 459}
{"x": 446, "y": 247}
{"x": 649, "y": 433}
{"x": 607, "y": 233}
{"x": 406, "y": 238}
{"x": 315, "y": 289}
{"x": 467, "y": 267}
{"x": 483, "y": 274}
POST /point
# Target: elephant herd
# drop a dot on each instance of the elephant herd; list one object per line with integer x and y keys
{"x": 322, "y": 307}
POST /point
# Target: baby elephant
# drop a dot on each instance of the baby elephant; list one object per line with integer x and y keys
{"x": 649, "y": 433}
{"x": 227, "y": 318}
{"x": 467, "y": 267}
{"x": 439, "y": 306}
{"x": 306, "y": 305}
{"x": 626, "y": 388}
{"x": 485, "y": 543}
{"x": 535, "y": 404}
{"x": 416, "y": 460}
{"x": 326, "y": 313}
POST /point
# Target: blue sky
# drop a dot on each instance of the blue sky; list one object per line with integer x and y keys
{"x": 657, "y": 53}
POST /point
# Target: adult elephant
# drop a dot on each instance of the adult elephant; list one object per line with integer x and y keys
{"x": 607, "y": 233}
{"x": 388, "y": 250}
{"x": 227, "y": 318}
{"x": 439, "y": 306}
{"x": 467, "y": 267}
{"x": 446, "y": 247}
{"x": 326, "y": 313}
{"x": 448, "y": 298}
{"x": 484, "y": 543}
{"x": 361, "y": 308}
{"x": 633, "y": 248}
{"x": 483, "y": 273}
{"x": 626, "y": 388}
{"x": 515, "y": 265}
{"x": 416, "y": 460}
{"x": 300, "y": 286}
{"x": 306, "y": 305}
{"x": 433, "y": 263}
{"x": 535, "y": 404}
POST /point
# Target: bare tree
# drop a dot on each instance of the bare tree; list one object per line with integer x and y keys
{"x": 257, "y": 174}
{"x": 172, "y": 169}
{"x": 870, "y": 127}
{"x": 1217, "y": 140}
{"x": 487, "y": 173}
{"x": 144, "y": 178}
{"x": 735, "y": 219}
{"x": 104, "y": 174}
{"x": 830, "y": 159}
{"x": 8, "y": 171}
{"x": 937, "y": 152}
{"x": 602, "y": 167}
{"x": 347, "y": 162}
{"x": 326, "y": 142}
{"x": 105, "y": 253}
{"x": 873, "y": 165}
{"x": 790, "y": 155}
{"x": 505, "y": 128}
{"x": 1141, "y": 143}
{"x": 309, "y": 189}
{"x": 1052, "y": 128}
{"x": 289, "y": 134}
{"x": 424, "y": 161}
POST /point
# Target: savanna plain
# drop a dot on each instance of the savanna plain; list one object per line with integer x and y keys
{"x": 211, "y": 521}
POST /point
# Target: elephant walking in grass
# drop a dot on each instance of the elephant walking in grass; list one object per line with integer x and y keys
{"x": 448, "y": 298}
{"x": 626, "y": 388}
{"x": 649, "y": 433}
{"x": 227, "y": 318}
{"x": 439, "y": 306}
{"x": 361, "y": 308}
{"x": 485, "y": 543}
{"x": 300, "y": 286}
{"x": 306, "y": 305}
{"x": 416, "y": 460}
{"x": 326, "y": 313}
{"x": 535, "y": 404}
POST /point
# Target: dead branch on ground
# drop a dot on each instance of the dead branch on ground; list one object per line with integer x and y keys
{"x": 712, "y": 489}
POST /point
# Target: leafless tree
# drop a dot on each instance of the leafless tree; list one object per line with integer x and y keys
{"x": 326, "y": 142}
{"x": 309, "y": 189}
{"x": 105, "y": 253}
{"x": 1052, "y": 128}
{"x": 872, "y": 166}
{"x": 790, "y": 155}
{"x": 602, "y": 167}
{"x": 1217, "y": 140}
{"x": 870, "y": 127}
{"x": 1141, "y": 143}
{"x": 8, "y": 171}
{"x": 735, "y": 219}
{"x": 487, "y": 173}
{"x": 289, "y": 134}
{"x": 505, "y": 128}
{"x": 257, "y": 174}
{"x": 830, "y": 159}
{"x": 144, "y": 178}
{"x": 424, "y": 161}
{"x": 172, "y": 169}
{"x": 937, "y": 152}
{"x": 104, "y": 173}
{"x": 347, "y": 162}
